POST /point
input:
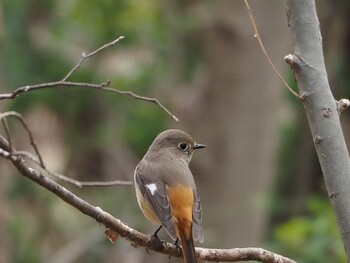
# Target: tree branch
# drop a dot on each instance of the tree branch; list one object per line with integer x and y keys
{"x": 70, "y": 180}
{"x": 136, "y": 238}
{"x": 86, "y": 56}
{"x": 26, "y": 127}
{"x": 262, "y": 47}
{"x": 39, "y": 161}
{"x": 307, "y": 62}
{"x": 102, "y": 86}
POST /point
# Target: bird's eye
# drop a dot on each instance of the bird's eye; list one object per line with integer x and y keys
{"x": 183, "y": 146}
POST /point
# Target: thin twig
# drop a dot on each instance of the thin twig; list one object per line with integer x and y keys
{"x": 138, "y": 97}
{"x": 26, "y": 127}
{"x": 102, "y": 86}
{"x": 27, "y": 155}
{"x": 257, "y": 36}
{"x": 39, "y": 161}
{"x": 67, "y": 179}
{"x": 85, "y": 56}
{"x": 55, "y": 84}
{"x": 88, "y": 184}
{"x": 7, "y": 131}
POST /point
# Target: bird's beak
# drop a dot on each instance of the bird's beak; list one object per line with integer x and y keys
{"x": 199, "y": 146}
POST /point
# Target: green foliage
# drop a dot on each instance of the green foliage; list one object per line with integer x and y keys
{"x": 25, "y": 238}
{"x": 143, "y": 124}
{"x": 289, "y": 141}
{"x": 312, "y": 238}
{"x": 26, "y": 226}
{"x": 136, "y": 19}
{"x": 290, "y": 78}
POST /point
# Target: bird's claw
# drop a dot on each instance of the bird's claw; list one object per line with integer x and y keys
{"x": 176, "y": 243}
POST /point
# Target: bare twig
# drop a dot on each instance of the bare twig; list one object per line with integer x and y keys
{"x": 257, "y": 36}
{"x": 26, "y": 127}
{"x": 55, "y": 84}
{"x": 135, "y": 237}
{"x": 39, "y": 161}
{"x": 27, "y": 155}
{"x": 138, "y": 97}
{"x": 85, "y": 56}
{"x": 66, "y": 179}
{"x": 88, "y": 184}
{"x": 102, "y": 86}
{"x": 7, "y": 131}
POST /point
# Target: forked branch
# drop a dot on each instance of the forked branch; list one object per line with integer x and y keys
{"x": 105, "y": 86}
{"x": 38, "y": 160}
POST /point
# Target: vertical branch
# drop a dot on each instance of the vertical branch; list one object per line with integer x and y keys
{"x": 307, "y": 62}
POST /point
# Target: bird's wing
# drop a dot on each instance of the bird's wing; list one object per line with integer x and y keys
{"x": 155, "y": 193}
{"x": 197, "y": 229}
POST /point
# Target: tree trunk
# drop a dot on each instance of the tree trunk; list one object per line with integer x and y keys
{"x": 321, "y": 109}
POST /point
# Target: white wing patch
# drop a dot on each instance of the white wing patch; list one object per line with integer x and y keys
{"x": 152, "y": 188}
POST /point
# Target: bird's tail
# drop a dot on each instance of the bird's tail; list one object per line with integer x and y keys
{"x": 187, "y": 248}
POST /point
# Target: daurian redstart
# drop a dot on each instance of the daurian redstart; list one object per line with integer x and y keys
{"x": 166, "y": 191}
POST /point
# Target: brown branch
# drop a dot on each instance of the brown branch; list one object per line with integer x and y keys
{"x": 86, "y": 56}
{"x": 7, "y": 131}
{"x": 26, "y": 127}
{"x": 102, "y": 86}
{"x": 55, "y": 84}
{"x": 257, "y": 36}
{"x": 62, "y": 177}
{"x": 39, "y": 161}
{"x": 88, "y": 184}
{"x": 136, "y": 238}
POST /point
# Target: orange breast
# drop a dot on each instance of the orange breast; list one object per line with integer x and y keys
{"x": 181, "y": 200}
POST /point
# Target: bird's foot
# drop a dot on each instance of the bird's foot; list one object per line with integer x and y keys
{"x": 155, "y": 237}
{"x": 176, "y": 243}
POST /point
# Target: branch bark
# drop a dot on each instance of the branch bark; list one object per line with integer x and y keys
{"x": 307, "y": 62}
{"x": 136, "y": 238}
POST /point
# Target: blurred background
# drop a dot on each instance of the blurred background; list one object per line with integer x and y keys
{"x": 259, "y": 179}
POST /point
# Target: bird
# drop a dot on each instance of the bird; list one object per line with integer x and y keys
{"x": 166, "y": 191}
